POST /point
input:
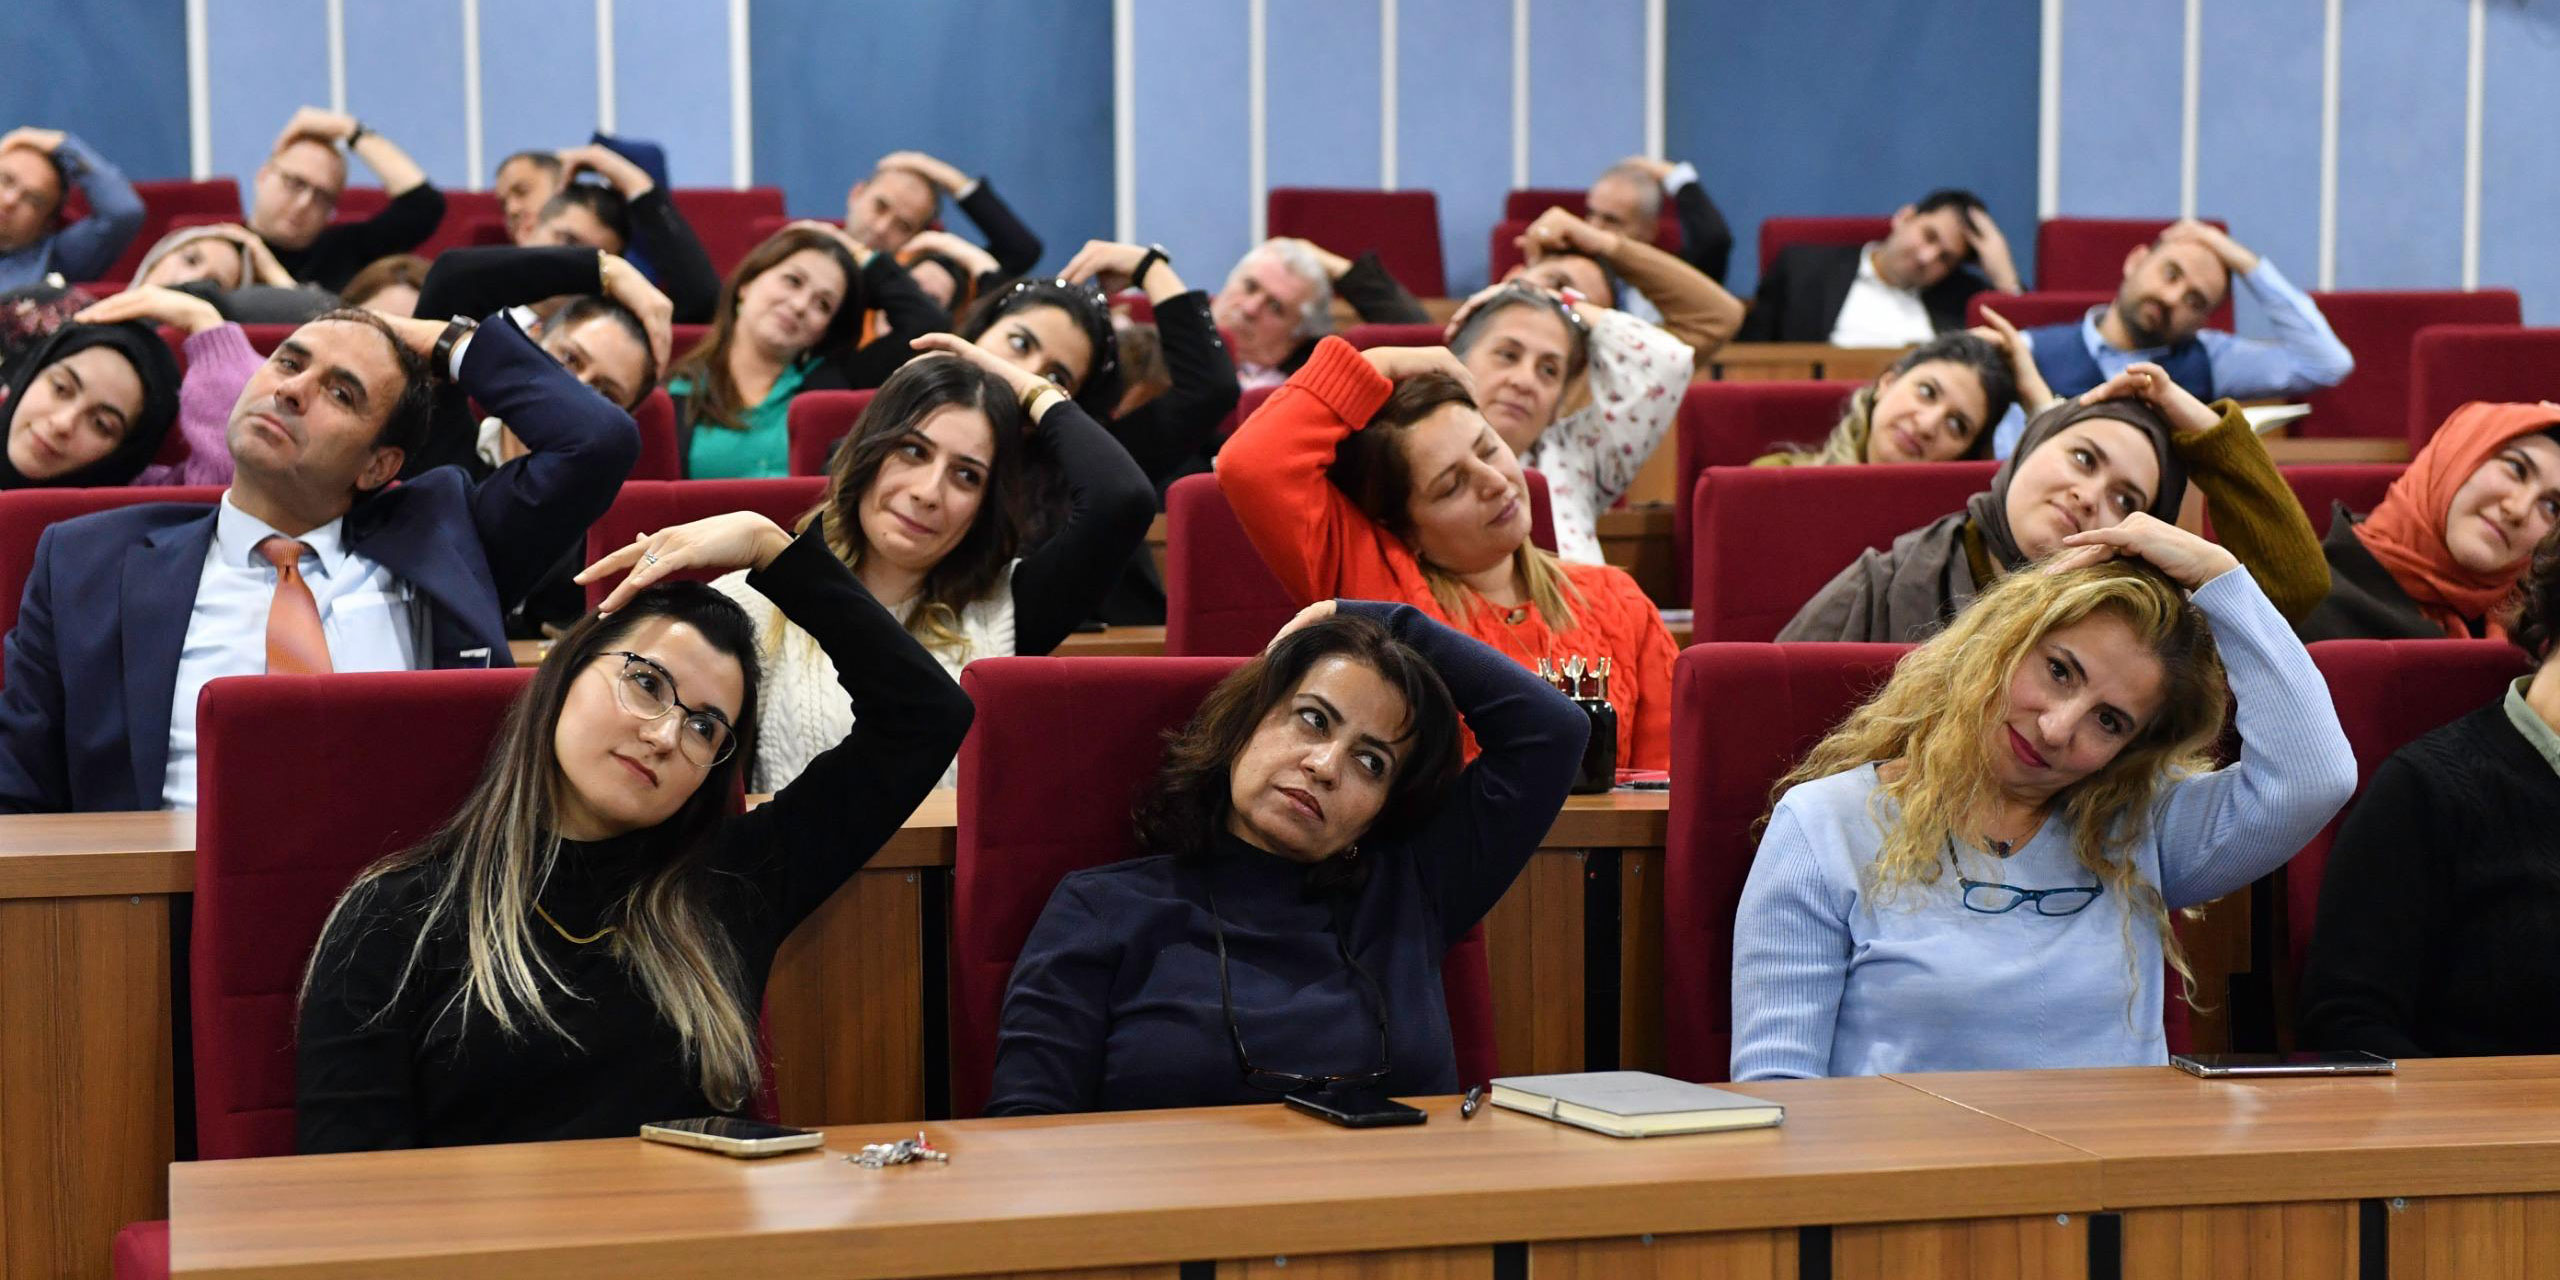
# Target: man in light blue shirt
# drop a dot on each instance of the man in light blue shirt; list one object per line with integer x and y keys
{"x": 2170, "y": 286}
{"x": 34, "y": 165}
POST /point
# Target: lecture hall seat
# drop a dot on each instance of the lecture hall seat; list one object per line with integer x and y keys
{"x": 2034, "y": 310}
{"x": 1221, "y": 600}
{"x": 1777, "y": 234}
{"x": 661, "y": 456}
{"x": 2320, "y": 486}
{"x": 646, "y": 506}
{"x": 1402, "y": 226}
{"x": 818, "y": 420}
{"x": 26, "y": 513}
{"x": 1245, "y": 405}
{"x": 725, "y": 220}
{"x": 2380, "y": 328}
{"x": 2074, "y": 254}
{"x": 1756, "y": 557}
{"x": 1727, "y": 424}
{"x": 1018, "y": 839}
{"x": 1365, "y": 336}
{"x": 2451, "y": 365}
{"x": 163, "y": 202}
{"x": 267, "y": 873}
{"x": 1523, "y": 205}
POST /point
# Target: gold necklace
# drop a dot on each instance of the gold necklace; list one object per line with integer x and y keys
{"x": 574, "y": 939}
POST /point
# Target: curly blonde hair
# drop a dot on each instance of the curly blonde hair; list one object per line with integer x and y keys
{"x": 1938, "y": 711}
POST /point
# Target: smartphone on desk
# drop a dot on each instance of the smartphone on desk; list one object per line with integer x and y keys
{"x": 2225, "y": 1066}
{"x": 1355, "y": 1108}
{"x": 741, "y": 1139}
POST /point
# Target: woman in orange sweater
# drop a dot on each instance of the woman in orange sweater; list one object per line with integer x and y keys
{"x": 1371, "y": 476}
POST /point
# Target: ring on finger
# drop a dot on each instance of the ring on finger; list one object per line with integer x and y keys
{"x": 648, "y": 558}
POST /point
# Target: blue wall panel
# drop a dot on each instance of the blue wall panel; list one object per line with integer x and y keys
{"x": 1194, "y": 174}
{"x": 2123, "y": 75}
{"x": 671, "y": 76}
{"x": 266, "y": 58}
{"x": 114, "y": 74}
{"x": 537, "y": 80}
{"x": 1839, "y": 107}
{"x": 2519, "y": 183}
{"x": 2401, "y": 78}
{"x": 405, "y": 78}
{"x": 1453, "y": 121}
{"x": 2258, "y": 136}
{"x": 1586, "y": 88}
{"x": 1321, "y": 123}
{"x": 1019, "y": 91}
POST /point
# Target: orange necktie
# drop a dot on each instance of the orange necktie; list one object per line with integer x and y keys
{"x": 295, "y": 645}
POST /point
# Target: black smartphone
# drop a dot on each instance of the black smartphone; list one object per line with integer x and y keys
{"x": 2223, "y": 1066}
{"x": 1355, "y": 1108}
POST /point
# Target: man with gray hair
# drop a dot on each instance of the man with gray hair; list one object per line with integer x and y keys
{"x": 1627, "y": 199}
{"x": 1279, "y": 301}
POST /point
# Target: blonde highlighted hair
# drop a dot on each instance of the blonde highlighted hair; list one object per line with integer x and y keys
{"x": 1938, "y": 713}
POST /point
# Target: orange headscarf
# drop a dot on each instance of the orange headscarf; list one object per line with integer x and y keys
{"x": 2406, "y": 533}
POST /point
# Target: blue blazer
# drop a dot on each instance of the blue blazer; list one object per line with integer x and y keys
{"x": 93, "y": 661}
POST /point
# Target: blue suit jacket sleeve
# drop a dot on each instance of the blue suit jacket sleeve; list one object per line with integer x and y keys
{"x": 33, "y": 758}
{"x": 536, "y": 509}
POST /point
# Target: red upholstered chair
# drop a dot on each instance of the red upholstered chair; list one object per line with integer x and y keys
{"x": 725, "y": 220}
{"x": 1778, "y": 233}
{"x": 1365, "y": 336}
{"x": 1765, "y": 539}
{"x": 1245, "y": 405}
{"x": 2379, "y": 327}
{"x": 1402, "y": 226}
{"x": 212, "y": 200}
{"x": 2321, "y": 485}
{"x": 466, "y": 214}
{"x": 26, "y": 513}
{"x": 1524, "y": 204}
{"x": 1018, "y": 839}
{"x": 661, "y": 457}
{"x": 2088, "y": 253}
{"x": 2030, "y": 310}
{"x": 2388, "y": 692}
{"x": 1727, "y": 424}
{"x": 1220, "y": 599}
{"x": 355, "y": 204}
{"x": 685, "y": 337}
{"x": 1503, "y": 254}
{"x": 1502, "y": 250}
{"x": 818, "y": 420}
{"x": 2451, "y": 365}
{"x": 265, "y": 338}
{"x": 1742, "y": 715}
{"x": 645, "y": 506}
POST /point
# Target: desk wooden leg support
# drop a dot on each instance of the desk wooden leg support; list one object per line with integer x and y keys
{"x": 86, "y": 1114}
{"x": 844, "y": 1008}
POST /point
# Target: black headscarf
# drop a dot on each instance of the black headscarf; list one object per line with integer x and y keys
{"x": 152, "y": 363}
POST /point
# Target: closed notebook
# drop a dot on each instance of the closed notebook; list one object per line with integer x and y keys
{"x": 1633, "y": 1104}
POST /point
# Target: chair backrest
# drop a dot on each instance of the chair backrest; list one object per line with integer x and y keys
{"x": 355, "y": 204}
{"x": 818, "y": 420}
{"x": 1763, "y": 540}
{"x": 1245, "y": 405}
{"x": 661, "y": 456}
{"x": 1365, "y": 336}
{"x": 2032, "y": 310}
{"x": 1778, "y": 233}
{"x": 467, "y": 216}
{"x": 269, "y": 867}
{"x": 682, "y": 338}
{"x": 1402, "y": 226}
{"x": 265, "y": 338}
{"x": 2321, "y": 485}
{"x": 1018, "y": 839}
{"x": 1742, "y": 715}
{"x": 212, "y": 200}
{"x": 1727, "y": 424}
{"x": 2379, "y": 327}
{"x": 1502, "y": 248}
{"x": 2388, "y": 693}
{"x": 1220, "y": 599}
{"x": 26, "y": 513}
{"x": 646, "y": 506}
{"x": 2451, "y": 365}
{"x": 2088, "y": 253}
{"x": 726, "y": 220}
{"x": 1524, "y": 204}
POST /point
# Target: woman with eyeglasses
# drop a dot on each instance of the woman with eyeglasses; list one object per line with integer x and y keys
{"x": 1976, "y": 869}
{"x": 583, "y": 947}
{"x": 1312, "y": 850}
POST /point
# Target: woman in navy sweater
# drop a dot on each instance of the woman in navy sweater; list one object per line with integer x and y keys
{"x": 1311, "y": 862}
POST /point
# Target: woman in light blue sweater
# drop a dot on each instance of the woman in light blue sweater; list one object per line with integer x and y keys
{"x": 1975, "y": 870}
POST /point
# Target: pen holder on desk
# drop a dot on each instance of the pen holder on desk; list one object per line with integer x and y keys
{"x": 1599, "y": 771}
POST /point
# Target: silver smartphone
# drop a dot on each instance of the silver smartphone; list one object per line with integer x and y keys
{"x": 2221, "y": 1066}
{"x": 743, "y": 1139}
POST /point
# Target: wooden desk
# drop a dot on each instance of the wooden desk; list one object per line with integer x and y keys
{"x": 1257, "y": 1189}
{"x": 2461, "y": 1158}
{"x": 1775, "y": 361}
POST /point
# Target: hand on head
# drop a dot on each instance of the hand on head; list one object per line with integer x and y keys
{"x": 1304, "y": 618}
{"x": 2188, "y": 560}
{"x": 184, "y": 312}
{"x": 2152, "y": 385}
{"x": 624, "y": 284}
{"x": 1023, "y": 381}
{"x": 317, "y": 123}
{"x": 738, "y": 540}
{"x": 43, "y": 141}
{"x": 976, "y": 261}
{"x": 1396, "y": 364}
{"x": 2034, "y": 393}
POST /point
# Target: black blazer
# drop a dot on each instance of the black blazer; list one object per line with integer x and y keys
{"x": 1799, "y": 299}
{"x": 93, "y": 661}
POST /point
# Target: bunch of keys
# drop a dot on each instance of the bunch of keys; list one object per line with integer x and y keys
{"x": 880, "y": 1155}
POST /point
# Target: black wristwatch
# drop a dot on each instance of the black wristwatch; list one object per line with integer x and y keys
{"x": 1155, "y": 254}
{"x": 355, "y": 135}
{"x": 440, "y": 361}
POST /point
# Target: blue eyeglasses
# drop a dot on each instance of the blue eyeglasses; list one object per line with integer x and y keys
{"x": 1992, "y": 898}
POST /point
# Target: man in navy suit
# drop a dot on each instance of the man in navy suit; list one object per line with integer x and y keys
{"x": 129, "y": 612}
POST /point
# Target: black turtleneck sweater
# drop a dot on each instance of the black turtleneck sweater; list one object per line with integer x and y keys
{"x": 429, "y": 1071}
{"x": 1114, "y": 1004}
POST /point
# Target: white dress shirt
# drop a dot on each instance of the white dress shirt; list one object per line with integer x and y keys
{"x": 371, "y": 619}
{"x": 1876, "y": 314}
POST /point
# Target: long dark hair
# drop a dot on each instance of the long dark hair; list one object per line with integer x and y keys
{"x": 715, "y": 401}
{"x": 491, "y": 859}
{"x": 1098, "y": 392}
{"x": 1186, "y": 806}
{"x": 919, "y": 389}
